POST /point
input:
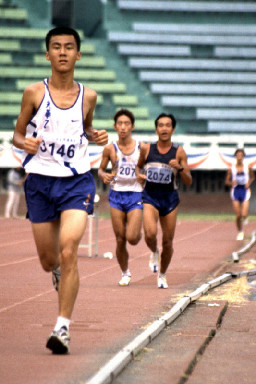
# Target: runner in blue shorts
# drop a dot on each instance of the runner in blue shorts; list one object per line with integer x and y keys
{"x": 125, "y": 192}
{"x": 54, "y": 128}
{"x": 239, "y": 177}
{"x": 158, "y": 166}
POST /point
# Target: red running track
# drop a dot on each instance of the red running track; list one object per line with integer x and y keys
{"x": 106, "y": 316}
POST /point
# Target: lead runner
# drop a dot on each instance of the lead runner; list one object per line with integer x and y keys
{"x": 53, "y": 128}
{"x": 158, "y": 167}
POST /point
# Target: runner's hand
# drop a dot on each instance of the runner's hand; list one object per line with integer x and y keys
{"x": 100, "y": 137}
{"x": 108, "y": 177}
{"x": 174, "y": 164}
{"x": 32, "y": 144}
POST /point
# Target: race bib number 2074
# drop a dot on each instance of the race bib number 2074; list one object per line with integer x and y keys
{"x": 161, "y": 174}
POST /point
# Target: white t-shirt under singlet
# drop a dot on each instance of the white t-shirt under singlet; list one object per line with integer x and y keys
{"x": 64, "y": 148}
{"x": 125, "y": 179}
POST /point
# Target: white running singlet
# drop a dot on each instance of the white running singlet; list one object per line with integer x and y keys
{"x": 64, "y": 148}
{"x": 241, "y": 177}
{"x": 125, "y": 179}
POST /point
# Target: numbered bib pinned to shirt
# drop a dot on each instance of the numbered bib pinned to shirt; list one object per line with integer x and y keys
{"x": 158, "y": 173}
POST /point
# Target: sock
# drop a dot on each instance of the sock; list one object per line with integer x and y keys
{"x": 126, "y": 273}
{"x": 162, "y": 274}
{"x": 62, "y": 322}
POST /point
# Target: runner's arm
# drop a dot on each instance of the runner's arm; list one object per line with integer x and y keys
{"x": 228, "y": 179}
{"x": 251, "y": 178}
{"x": 29, "y": 144}
{"x": 106, "y": 157}
{"x": 99, "y": 137}
{"x": 144, "y": 150}
{"x": 181, "y": 164}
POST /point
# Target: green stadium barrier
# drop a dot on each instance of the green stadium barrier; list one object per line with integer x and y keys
{"x": 41, "y": 73}
{"x": 125, "y": 100}
{"x": 26, "y": 33}
{"x": 5, "y": 58}
{"x": 11, "y": 97}
{"x": 95, "y": 61}
{"x": 87, "y": 48}
{"x": 10, "y": 45}
{"x": 9, "y": 110}
{"x": 15, "y": 14}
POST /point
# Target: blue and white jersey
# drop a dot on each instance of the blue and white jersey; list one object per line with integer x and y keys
{"x": 64, "y": 148}
{"x": 242, "y": 178}
{"x": 125, "y": 179}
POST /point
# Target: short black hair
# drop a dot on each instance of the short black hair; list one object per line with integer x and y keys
{"x": 239, "y": 150}
{"x": 125, "y": 112}
{"x": 166, "y": 115}
{"x": 62, "y": 31}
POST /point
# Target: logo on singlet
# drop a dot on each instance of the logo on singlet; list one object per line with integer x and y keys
{"x": 47, "y": 114}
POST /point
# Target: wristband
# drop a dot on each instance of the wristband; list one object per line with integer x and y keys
{"x": 181, "y": 169}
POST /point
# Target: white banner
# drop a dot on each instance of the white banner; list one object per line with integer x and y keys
{"x": 204, "y": 153}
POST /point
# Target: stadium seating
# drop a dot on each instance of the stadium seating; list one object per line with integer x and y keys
{"x": 195, "y": 57}
{"x": 202, "y": 29}
{"x": 198, "y": 76}
{"x": 234, "y": 52}
{"x": 164, "y": 38}
{"x": 210, "y": 101}
{"x": 22, "y": 62}
{"x": 10, "y": 45}
{"x": 187, "y": 6}
{"x": 87, "y": 61}
{"x": 155, "y": 50}
{"x": 5, "y": 58}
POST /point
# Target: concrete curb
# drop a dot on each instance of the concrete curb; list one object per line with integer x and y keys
{"x": 235, "y": 255}
{"x": 115, "y": 365}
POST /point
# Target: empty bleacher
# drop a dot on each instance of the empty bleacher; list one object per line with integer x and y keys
{"x": 22, "y": 62}
{"x": 195, "y": 57}
{"x": 187, "y": 6}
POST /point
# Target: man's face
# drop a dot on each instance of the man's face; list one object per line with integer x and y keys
{"x": 239, "y": 155}
{"x": 63, "y": 52}
{"x": 164, "y": 128}
{"x": 123, "y": 126}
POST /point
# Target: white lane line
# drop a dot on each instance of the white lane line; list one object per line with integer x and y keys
{"x": 92, "y": 274}
{"x": 4, "y": 245}
{"x": 197, "y": 233}
{"x": 51, "y": 290}
{"x": 18, "y": 261}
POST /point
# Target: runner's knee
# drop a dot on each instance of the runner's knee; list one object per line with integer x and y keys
{"x": 133, "y": 239}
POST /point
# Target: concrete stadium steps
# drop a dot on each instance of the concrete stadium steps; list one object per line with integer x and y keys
{"x": 195, "y": 57}
{"x": 187, "y": 6}
{"x": 195, "y": 76}
{"x": 22, "y": 62}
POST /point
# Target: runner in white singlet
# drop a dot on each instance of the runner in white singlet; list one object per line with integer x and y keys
{"x": 125, "y": 192}
{"x": 239, "y": 177}
{"x": 53, "y": 128}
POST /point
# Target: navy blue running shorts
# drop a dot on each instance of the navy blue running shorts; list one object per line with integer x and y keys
{"x": 240, "y": 194}
{"x": 163, "y": 202}
{"x": 48, "y": 196}
{"x": 125, "y": 201}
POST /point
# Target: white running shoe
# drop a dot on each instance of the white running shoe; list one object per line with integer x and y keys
{"x": 58, "y": 341}
{"x": 56, "y": 275}
{"x": 240, "y": 236}
{"x": 154, "y": 261}
{"x": 161, "y": 282}
{"x": 126, "y": 278}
